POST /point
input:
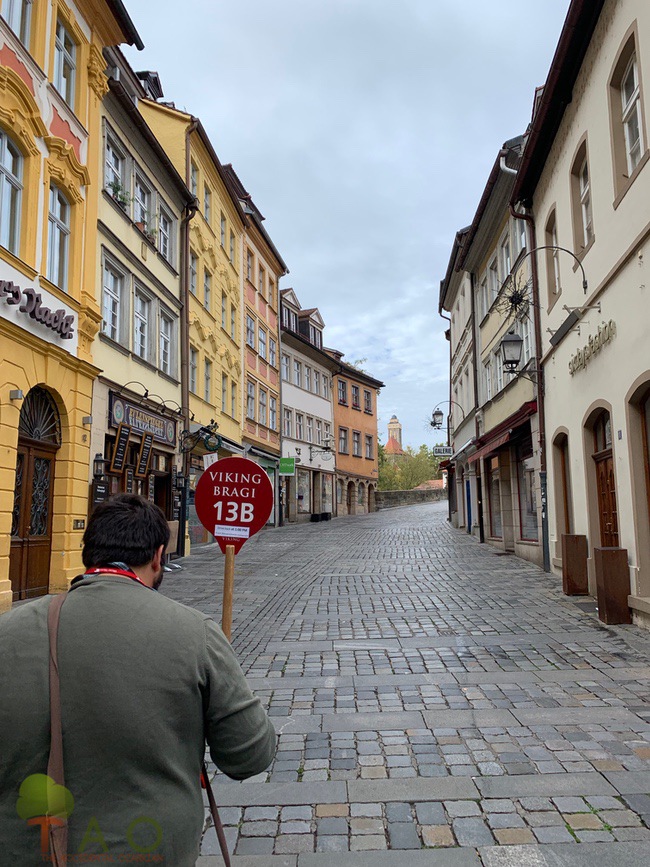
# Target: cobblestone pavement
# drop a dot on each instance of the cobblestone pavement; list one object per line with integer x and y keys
{"x": 436, "y": 703}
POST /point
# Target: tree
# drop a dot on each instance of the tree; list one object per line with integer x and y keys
{"x": 408, "y": 470}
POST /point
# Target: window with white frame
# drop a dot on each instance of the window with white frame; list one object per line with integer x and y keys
{"x": 310, "y": 429}
{"x": 249, "y": 265}
{"x": 319, "y": 432}
{"x": 527, "y": 335}
{"x": 356, "y": 444}
{"x": 207, "y": 203}
{"x": 487, "y": 378}
{"x": 194, "y": 364}
{"x": 506, "y": 259}
{"x": 207, "y": 381}
{"x": 631, "y": 114}
{"x": 552, "y": 258}
{"x": 58, "y": 238}
{"x": 273, "y": 352}
{"x": 141, "y": 202}
{"x": 250, "y": 400}
{"x": 261, "y": 280}
{"x": 343, "y": 440}
{"x": 194, "y": 179}
{"x": 520, "y": 235}
{"x": 233, "y": 399}
{"x": 308, "y": 377}
{"x": 356, "y": 399}
{"x": 271, "y": 292}
{"x": 262, "y": 407}
{"x": 285, "y": 367}
{"x": 250, "y": 331}
{"x": 326, "y": 388}
{"x": 585, "y": 202}
{"x": 343, "y": 392}
{"x": 287, "y": 422}
{"x": 369, "y": 447}
{"x": 367, "y": 401}
{"x": 231, "y": 252}
{"x": 317, "y": 382}
{"x": 115, "y": 169}
{"x": 17, "y": 14}
{"x": 327, "y": 433}
{"x": 222, "y": 223}
{"x": 112, "y": 295}
{"x": 224, "y": 392}
{"x": 224, "y": 309}
{"x": 493, "y": 279}
{"x": 315, "y": 337}
{"x": 65, "y": 63}
{"x": 299, "y": 426}
{"x": 261, "y": 343}
{"x": 484, "y": 299}
{"x": 165, "y": 345}
{"x": 297, "y": 373}
{"x": 165, "y": 234}
{"x": 498, "y": 366}
{"x": 273, "y": 413}
{"x": 11, "y": 189}
{"x": 233, "y": 321}
{"x": 207, "y": 289}
{"x": 141, "y": 316}
{"x": 194, "y": 268}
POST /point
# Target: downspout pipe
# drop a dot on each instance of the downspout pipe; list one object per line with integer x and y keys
{"x": 448, "y": 318}
{"x": 505, "y": 168}
{"x": 540, "y": 385}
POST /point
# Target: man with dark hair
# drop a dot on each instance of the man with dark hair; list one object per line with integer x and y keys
{"x": 145, "y": 682}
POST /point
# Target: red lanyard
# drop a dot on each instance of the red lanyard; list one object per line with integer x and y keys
{"x": 114, "y": 570}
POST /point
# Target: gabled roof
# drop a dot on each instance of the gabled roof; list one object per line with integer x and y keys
{"x": 126, "y": 24}
{"x": 290, "y": 297}
{"x": 392, "y": 447}
{"x": 456, "y": 250}
{"x": 314, "y": 314}
{"x": 550, "y": 105}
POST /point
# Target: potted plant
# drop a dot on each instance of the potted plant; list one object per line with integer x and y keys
{"x": 119, "y": 193}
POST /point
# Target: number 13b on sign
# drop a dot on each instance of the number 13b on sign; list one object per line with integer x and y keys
{"x": 237, "y": 512}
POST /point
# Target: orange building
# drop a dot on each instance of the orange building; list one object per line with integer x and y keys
{"x": 355, "y": 421}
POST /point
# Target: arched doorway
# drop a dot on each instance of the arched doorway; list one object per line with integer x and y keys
{"x": 39, "y": 437}
{"x": 605, "y": 481}
{"x": 350, "y": 499}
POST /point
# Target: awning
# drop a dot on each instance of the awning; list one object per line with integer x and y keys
{"x": 462, "y": 449}
{"x": 488, "y": 448}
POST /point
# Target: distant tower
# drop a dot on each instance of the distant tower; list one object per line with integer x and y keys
{"x": 395, "y": 430}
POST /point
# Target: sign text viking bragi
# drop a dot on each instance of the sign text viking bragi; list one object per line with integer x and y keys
{"x": 142, "y": 420}
{"x": 593, "y": 346}
{"x": 233, "y": 500}
{"x": 31, "y": 304}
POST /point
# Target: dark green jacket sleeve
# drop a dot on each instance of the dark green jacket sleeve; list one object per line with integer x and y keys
{"x": 240, "y": 736}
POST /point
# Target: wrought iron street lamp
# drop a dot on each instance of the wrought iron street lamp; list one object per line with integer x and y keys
{"x": 511, "y": 348}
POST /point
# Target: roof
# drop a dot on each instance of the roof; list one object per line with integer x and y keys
{"x": 392, "y": 447}
{"x": 126, "y": 24}
{"x": 351, "y": 371}
{"x": 456, "y": 249}
{"x": 572, "y": 46}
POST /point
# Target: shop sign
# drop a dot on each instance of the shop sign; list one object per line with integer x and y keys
{"x": 128, "y": 480}
{"x": 100, "y": 491}
{"x": 40, "y": 313}
{"x": 592, "y": 347}
{"x": 443, "y": 451}
{"x": 287, "y": 466}
{"x": 142, "y": 421}
{"x": 118, "y": 458}
{"x": 144, "y": 456}
{"x": 151, "y": 492}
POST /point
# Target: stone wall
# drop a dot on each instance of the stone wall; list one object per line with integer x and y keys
{"x": 389, "y": 499}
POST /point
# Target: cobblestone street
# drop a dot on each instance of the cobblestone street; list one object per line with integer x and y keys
{"x": 437, "y": 703}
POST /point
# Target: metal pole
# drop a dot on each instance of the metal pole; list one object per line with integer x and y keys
{"x": 228, "y": 585}
{"x": 544, "y": 503}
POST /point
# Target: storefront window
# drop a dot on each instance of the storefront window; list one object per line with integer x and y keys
{"x": 494, "y": 494}
{"x": 304, "y": 491}
{"x": 326, "y": 493}
{"x": 528, "y": 526}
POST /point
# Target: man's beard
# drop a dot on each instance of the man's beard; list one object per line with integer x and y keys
{"x": 159, "y": 578}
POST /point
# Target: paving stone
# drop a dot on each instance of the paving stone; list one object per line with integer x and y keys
{"x": 435, "y": 836}
{"x": 366, "y": 810}
{"x": 458, "y": 809}
{"x": 498, "y": 805}
{"x": 371, "y": 841}
{"x": 588, "y": 836}
{"x": 537, "y": 804}
{"x": 403, "y": 835}
{"x": 295, "y": 827}
{"x": 254, "y": 814}
{"x": 331, "y": 826}
{"x": 289, "y": 843}
{"x": 333, "y": 843}
{"x": 255, "y": 846}
{"x": 472, "y": 832}
{"x": 553, "y": 834}
{"x": 514, "y": 836}
{"x": 620, "y": 818}
{"x": 328, "y": 810}
{"x": 432, "y": 814}
{"x": 305, "y": 813}
{"x": 363, "y": 825}
{"x": 399, "y": 813}
{"x": 583, "y": 821}
{"x": 258, "y": 829}
{"x": 504, "y": 820}
{"x": 570, "y": 805}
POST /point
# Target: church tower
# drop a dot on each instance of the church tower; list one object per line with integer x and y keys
{"x": 395, "y": 430}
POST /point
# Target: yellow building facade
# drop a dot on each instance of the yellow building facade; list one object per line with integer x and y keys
{"x": 52, "y": 82}
{"x": 214, "y": 314}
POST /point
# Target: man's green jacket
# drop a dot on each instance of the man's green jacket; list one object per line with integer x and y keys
{"x": 145, "y": 682}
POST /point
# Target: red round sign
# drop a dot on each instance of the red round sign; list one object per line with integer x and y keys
{"x": 233, "y": 500}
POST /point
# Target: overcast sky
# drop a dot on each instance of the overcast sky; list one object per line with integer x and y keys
{"x": 365, "y": 131}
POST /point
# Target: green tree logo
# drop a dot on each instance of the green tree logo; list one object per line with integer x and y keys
{"x": 40, "y": 795}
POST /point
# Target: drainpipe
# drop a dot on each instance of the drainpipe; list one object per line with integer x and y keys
{"x": 540, "y": 385}
{"x": 190, "y": 212}
{"x": 448, "y": 318}
{"x": 479, "y": 478}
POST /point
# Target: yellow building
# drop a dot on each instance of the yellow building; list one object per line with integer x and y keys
{"x": 52, "y": 82}
{"x": 214, "y": 320}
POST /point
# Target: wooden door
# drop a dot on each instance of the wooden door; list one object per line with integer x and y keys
{"x": 607, "y": 510}
{"x": 31, "y": 529}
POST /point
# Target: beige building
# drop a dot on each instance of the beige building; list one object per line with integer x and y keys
{"x": 585, "y": 180}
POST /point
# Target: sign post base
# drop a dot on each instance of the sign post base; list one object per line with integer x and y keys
{"x": 228, "y": 587}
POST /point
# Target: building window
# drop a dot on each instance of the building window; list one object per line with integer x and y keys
{"x": 506, "y": 259}
{"x": 484, "y": 299}
{"x": 356, "y": 401}
{"x": 17, "y": 15}
{"x": 369, "y": 449}
{"x": 194, "y": 180}
{"x": 58, "y": 238}
{"x": 343, "y": 440}
{"x": 114, "y": 170}
{"x": 297, "y": 373}
{"x": 367, "y": 401}
{"x": 317, "y": 382}
{"x": 315, "y": 337}
{"x": 487, "y": 372}
{"x": 310, "y": 429}
{"x": 631, "y": 114}
{"x": 585, "y": 203}
{"x": 494, "y": 497}
{"x": 327, "y": 433}
{"x": 493, "y": 279}
{"x": 165, "y": 234}
{"x": 11, "y": 171}
{"x": 194, "y": 363}
{"x": 250, "y": 332}
{"x": 232, "y": 248}
{"x": 261, "y": 280}
{"x": 250, "y": 400}
{"x": 262, "y": 407}
{"x": 273, "y": 413}
{"x": 299, "y": 430}
{"x": 222, "y": 224}
{"x": 552, "y": 258}
{"x": 528, "y": 529}
{"x": 527, "y": 335}
{"x": 194, "y": 267}
{"x": 271, "y": 293}
{"x": 113, "y": 288}
{"x": 65, "y": 63}
{"x": 273, "y": 352}
{"x": 361, "y": 495}
{"x": 319, "y": 432}
{"x": 356, "y": 444}
{"x": 141, "y": 203}
{"x": 224, "y": 309}
{"x": 249, "y": 265}
{"x": 233, "y": 399}
{"x": 627, "y": 123}
{"x": 326, "y": 388}
{"x": 288, "y": 424}
{"x": 207, "y": 203}
{"x": 141, "y": 314}
{"x": 581, "y": 195}
{"x": 224, "y": 392}
{"x": 343, "y": 392}
{"x": 308, "y": 378}
{"x": 165, "y": 344}
{"x": 261, "y": 343}
{"x": 520, "y": 235}
{"x": 207, "y": 288}
{"x": 498, "y": 367}
{"x": 207, "y": 381}
{"x": 285, "y": 367}
{"x": 233, "y": 321}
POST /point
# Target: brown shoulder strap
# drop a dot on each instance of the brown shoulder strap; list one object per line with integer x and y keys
{"x": 58, "y": 828}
